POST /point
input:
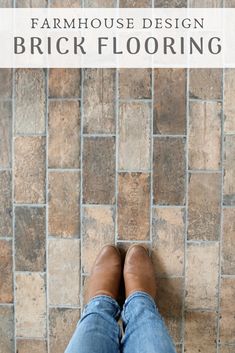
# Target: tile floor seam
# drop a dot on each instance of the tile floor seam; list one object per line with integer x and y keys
{"x": 81, "y": 186}
{"x": 151, "y": 154}
{"x": 117, "y": 104}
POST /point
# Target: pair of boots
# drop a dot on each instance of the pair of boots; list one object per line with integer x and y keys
{"x": 107, "y": 272}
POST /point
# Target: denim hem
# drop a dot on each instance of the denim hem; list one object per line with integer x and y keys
{"x": 139, "y": 294}
{"x": 105, "y": 298}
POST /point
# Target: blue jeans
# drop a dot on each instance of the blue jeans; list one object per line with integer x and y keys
{"x": 99, "y": 332}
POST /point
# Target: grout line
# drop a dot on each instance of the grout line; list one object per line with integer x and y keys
{"x": 30, "y": 134}
{"x": 6, "y": 238}
{"x": 61, "y": 170}
{"x": 81, "y": 186}
{"x": 227, "y": 276}
{"x": 117, "y": 102}
{"x": 147, "y": 171}
{"x": 65, "y": 306}
{"x": 132, "y": 100}
{"x": 198, "y": 100}
{"x": 165, "y": 136}
{"x": 170, "y": 206}
{"x": 133, "y": 241}
{"x": 98, "y": 135}
{"x": 63, "y": 99}
{"x": 204, "y": 171}
{"x": 151, "y": 154}
{"x": 30, "y": 272}
{"x": 202, "y": 242}
{"x": 97, "y": 206}
{"x": 29, "y": 205}
{"x": 7, "y": 304}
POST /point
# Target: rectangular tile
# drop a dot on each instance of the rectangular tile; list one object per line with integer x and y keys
{"x": 205, "y": 83}
{"x": 64, "y": 134}
{"x": 5, "y": 133}
{"x": 64, "y": 271}
{"x": 6, "y": 329}
{"x": 205, "y": 135}
{"x": 229, "y": 3}
{"x": 205, "y": 3}
{"x": 169, "y": 101}
{"x": 30, "y": 239}
{"x": 31, "y": 3}
{"x": 100, "y": 3}
{"x": 33, "y": 346}
{"x": 228, "y": 242}
{"x": 30, "y": 101}
{"x": 170, "y": 3}
{"x": 229, "y": 104}
{"x": 168, "y": 241}
{"x": 98, "y": 230}
{"x": 99, "y": 112}
{"x": 135, "y": 83}
{"x": 135, "y": 3}
{"x": 134, "y": 136}
{"x": 227, "y": 349}
{"x": 30, "y": 312}
{"x": 5, "y": 81}
{"x": 229, "y": 170}
{"x": 64, "y": 204}
{"x": 202, "y": 269}
{"x": 204, "y": 210}
{"x": 227, "y": 309}
{"x": 6, "y": 272}
{"x": 64, "y": 83}
{"x": 29, "y": 169}
{"x": 169, "y": 171}
{"x": 133, "y": 206}
{"x": 99, "y": 170}
{"x": 5, "y": 204}
{"x": 6, "y": 3}
{"x": 65, "y": 3}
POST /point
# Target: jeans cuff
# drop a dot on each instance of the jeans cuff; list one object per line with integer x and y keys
{"x": 140, "y": 294}
{"x": 103, "y": 299}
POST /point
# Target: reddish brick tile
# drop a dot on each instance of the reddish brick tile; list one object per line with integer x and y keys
{"x": 229, "y": 104}
{"x": 64, "y": 134}
{"x": 31, "y": 3}
{"x": 135, "y": 3}
{"x": 5, "y": 81}
{"x": 202, "y": 268}
{"x": 99, "y": 112}
{"x": 229, "y": 170}
{"x": 205, "y": 83}
{"x": 6, "y": 276}
{"x": 228, "y": 245}
{"x": 5, "y": 204}
{"x": 30, "y": 169}
{"x": 5, "y": 134}
{"x": 99, "y": 170}
{"x": 170, "y": 3}
{"x": 134, "y": 206}
{"x": 64, "y": 210}
{"x": 170, "y": 101}
{"x": 168, "y": 241}
{"x": 204, "y": 206}
{"x": 30, "y": 238}
{"x": 227, "y": 309}
{"x": 169, "y": 171}
{"x": 62, "y": 325}
{"x": 100, "y": 3}
{"x": 134, "y": 136}
{"x": 65, "y": 3}
{"x": 6, "y": 329}
{"x": 205, "y": 3}
{"x": 135, "y": 83}
{"x": 64, "y": 83}
{"x": 98, "y": 230}
{"x": 35, "y": 346}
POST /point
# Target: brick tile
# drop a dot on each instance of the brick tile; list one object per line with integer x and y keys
{"x": 135, "y": 83}
{"x": 64, "y": 134}
{"x": 134, "y": 136}
{"x": 169, "y": 302}
{"x": 100, "y": 3}
{"x": 227, "y": 349}
{"x": 64, "y": 209}
{"x": 6, "y": 276}
{"x": 205, "y": 83}
{"x": 30, "y": 305}
{"x": 205, "y": 3}
{"x": 5, "y": 204}
{"x": 6, "y": 329}
{"x": 98, "y": 230}
{"x": 170, "y": 101}
{"x": 99, "y": 170}
{"x": 170, "y": 3}
{"x": 134, "y": 206}
{"x": 227, "y": 309}
{"x": 30, "y": 101}
{"x": 30, "y": 239}
{"x": 202, "y": 268}
{"x": 204, "y": 206}
{"x": 65, "y": 3}
{"x": 229, "y": 3}
{"x": 5, "y": 134}
{"x": 62, "y": 325}
{"x": 205, "y": 135}
{"x": 34, "y": 346}
{"x": 168, "y": 241}
{"x": 31, "y": 3}
{"x": 30, "y": 169}
{"x": 229, "y": 104}
{"x": 64, "y": 83}
{"x": 99, "y": 112}
{"x": 169, "y": 171}
{"x": 5, "y": 81}
{"x": 229, "y": 170}
{"x": 135, "y": 3}
{"x": 64, "y": 269}
{"x": 200, "y": 332}
{"x": 228, "y": 244}
{"x": 5, "y": 3}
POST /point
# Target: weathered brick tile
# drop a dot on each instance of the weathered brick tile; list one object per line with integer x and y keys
{"x": 169, "y": 171}
{"x": 205, "y": 83}
{"x": 62, "y": 325}
{"x": 204, "y": 206}
{"x": 227, "y": 310}
{"x": 65, "y": 3}
{"x": 200, "y": 332}
{"x": 229, "y": 3}
{"x": 5, "y": 204}
{"x": 30, "y": 101}
{"x": 98, "y": 230}
{"x": 64, "y": 83}
{"x": 31, "y": 3}
{"x": 170, "y": 3}
{"x": 170, "y": 101}
{"x": 134, "y": 3}
{"x": 133, "y": 206}
{"x": 100, "y": 3}
{"x": 64, "y": 134}
{"x": 34, "y": 346}
{"x": 5, "y": 3}
{"x": 6, "y": 329}
{"x": 204, "y": 135}
{"x": 99, "y": 170}
{"x": 30, "y": 238}
{"x": 205, "y": 3}
{"x": 5, "y": 81}
{"x": 99, "y": 112}
{"x": 134, "y": 136}
{"x": 229, "y": 103}
{"x": 169, "y": 302}
{"x": 135, "y": 83}
{"x": 6, "y": 276}
{"x": 202, "y": 268}
{"x": 30, "y": 305}
{"x": 168, "y": 241}
{"x": 5, "y": 134}
{"x": 64, "y": 210}
{"x": 229, "y": 170}
{"x": 227, "y": 349}
{"x": 30, "y": 169}
{"x": 64, "y": 271}
{"x": 228, "y": 245}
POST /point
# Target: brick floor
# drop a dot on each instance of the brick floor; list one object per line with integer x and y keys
{"x": 96, "y": 156}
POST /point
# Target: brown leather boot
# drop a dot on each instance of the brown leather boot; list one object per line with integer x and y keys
{"x": 106, "y": 274}
{"x": 139, "y": 272}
